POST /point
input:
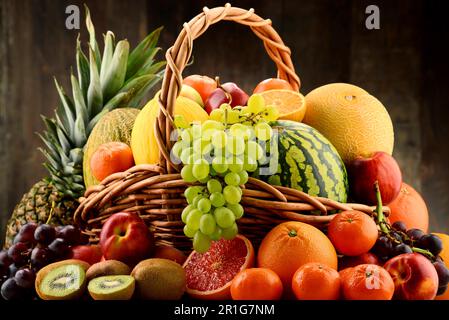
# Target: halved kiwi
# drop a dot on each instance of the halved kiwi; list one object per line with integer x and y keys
{"x": 64, "y": 282}
{"x": 107, "y": 268}
{"x": 119, "y": 287}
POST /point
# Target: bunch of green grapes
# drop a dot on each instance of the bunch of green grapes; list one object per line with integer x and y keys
{"x": 217, "y": 157}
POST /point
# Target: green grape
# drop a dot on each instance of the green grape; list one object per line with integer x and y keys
{"x": 231, "y": 232}
{"x": 204, "y": 180}
{"x": 235, "y": 164}
{"x": 219, "y": 165}
{"x": 217, "y": 115}
{"x": 207, "y": 224}
{"x": 232, "y": 179}
{"x": 254, "y": 150}
{"x": 232, "y": 116}
{"x": 212, "y": 124}
{"x": 197, "y": 199}
{"x": 224, "y": 217}
{"x": 225, "y": 107}
{"x": 232, "y": 194}
{"x": 271, "y": 113}
{"x": 256, "y": 103}
{"x": 263, "y": 131}
{"x": 177, "y": 148}
{"x": 185, "y": 155}
{"x": 213, "y": 185}
{"x": 187, "y": 174}
{"x": 250, "y": 165}
{"x": 238, "y": 130}
{"x": 193, "y": 219}
{"x": 191, "y": 192}
{"x": 186, "y": 135}
{"x": 201, "y": 147}
{"x": 207, "y": 135}
{"x": 200, "y": 169}
{"x": 235, "y": 145}
{"x": 236, "y": 209}
{"x": 190, "y": 233}
{"x": 196, "y": 131}
{"x": 243, "y": 177}
{"x": 217, "y": 234}
{"x": 245, "y": 111}
{"x": 201, "y": 242}
{"x": 180, "y": 122}
{"x": 185, "y": 212}
{"x": 204, "y": 205}
{"x": 217, "y": 199}
{"x": 219, "y": 139}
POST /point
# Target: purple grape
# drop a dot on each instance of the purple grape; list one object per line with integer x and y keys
{"x": 399, "y": 226}
{"x": 443, "y": 273}
{"x": 70, "y": 234}
{"x": 25, "y": 278}
{"x": 441, "y": 290}
{"x": 383, "y": 247}
{"x": 12, "y": 270}
{"x": 59, "y": 248}
{"x": 415, "y": 234}
{"x": 11, "y": 290}
{"x": 402, "y": 248}
{"x": 44, "y": 234}
{"x": 5, "y": 261}
{"x": 26, "y": 234}
{"x": 18, "y": 253}
{"x": 40, "y": 257}
{"x": 432, "y": 243}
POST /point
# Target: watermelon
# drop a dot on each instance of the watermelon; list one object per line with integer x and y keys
{"x": 307, "y": 161}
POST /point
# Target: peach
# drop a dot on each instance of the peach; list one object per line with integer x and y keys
{"x": 414, "y": 276}
{"x": 202, "y": 84}
{"x": 88, "y": 253}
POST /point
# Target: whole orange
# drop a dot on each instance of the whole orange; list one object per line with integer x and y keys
{"x": 316, "y": 281}
{"x": 110, "y": 158}
{"x": 410, "y": 208}
{"x": 272, "y": 84}
{"x": 292, "y": 244}
{"x": 256, "y": 284}
{"x": 445, "y": 256}
{"x": 367, "y": 282}
{"x": 352, "y": 232}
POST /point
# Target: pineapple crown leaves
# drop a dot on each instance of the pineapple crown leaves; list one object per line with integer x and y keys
{"x": 104, "y": 81}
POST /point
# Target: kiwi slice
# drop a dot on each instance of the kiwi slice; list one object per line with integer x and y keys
{"x": 107, "y": 268}
{"x": 64, "y": 282}
{"x": 118, "y": 287}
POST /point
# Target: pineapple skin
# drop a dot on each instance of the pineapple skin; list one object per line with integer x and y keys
{"x": 36, "y": 205}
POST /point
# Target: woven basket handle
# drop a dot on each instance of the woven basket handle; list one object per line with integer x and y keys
{"x": 179, "y": 55}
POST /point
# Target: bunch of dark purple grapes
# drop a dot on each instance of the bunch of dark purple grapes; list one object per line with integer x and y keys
{"x": 398, "y": 240}
{"x": 34, "y": 247}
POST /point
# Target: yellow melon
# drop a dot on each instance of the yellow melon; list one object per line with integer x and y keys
{"x": 354, "y": 121}
{"x": 143, "y": 141}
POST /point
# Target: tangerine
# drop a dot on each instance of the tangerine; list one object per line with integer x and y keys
{"x": 256, "y": 284}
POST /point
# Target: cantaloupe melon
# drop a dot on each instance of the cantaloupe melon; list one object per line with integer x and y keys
{"x": 113, "y": 126}
{"x": 143, "y": 141}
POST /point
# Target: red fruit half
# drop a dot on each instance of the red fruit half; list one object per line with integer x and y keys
{"x": 209, "y": 275}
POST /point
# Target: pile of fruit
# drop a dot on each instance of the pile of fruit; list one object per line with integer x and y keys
{"x": 335, "y": 143}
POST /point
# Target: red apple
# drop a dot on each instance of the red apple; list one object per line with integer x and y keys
{"x": 202, "y": 84}
{"x": 381, "y": 167}
{"x": 349, "y": 262}
{"x": 238, "y": 96}
{"x": 88, "y": 253}
{"x": 125, "y": 237}
{"x": 414, "y": 276}
{"x": 216, "y": 99}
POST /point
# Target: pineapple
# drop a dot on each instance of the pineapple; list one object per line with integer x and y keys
{"x": 114, "y": 79}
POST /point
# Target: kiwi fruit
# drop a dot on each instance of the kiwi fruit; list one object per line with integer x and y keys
{"x": 61, "y": 281}
{"x": 115, "y": 287}
{"x": 107, "y": 268}
{"x": 159, "y": 279}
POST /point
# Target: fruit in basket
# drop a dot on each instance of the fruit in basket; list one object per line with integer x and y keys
{"x": 316, "y": 281}
{"x": 110, "y": 158}
{"x": 143, "y": 141}
{"x": 89, "y": 253}
{"x": 414, "y": 276}
{"x": 291, "y": 104}
{"x": 238, "y": 96}
{"x": 365, "y": 258}
{"x": 350, "y": 225}
{"x": 272, "y": 84}
{"x": 444, "y": 254}
{"x": 364, "y": 171}
{"x": 116, "y": 287}
{"x": 159, "y": 279}
{"x": 107, "y": 268}
{"x": 367, "y": 282}
{"x": 292, "y": 244}
{"x": 170, "y": 253}
{"x": 65, "y": 280}
{"x": 190, "y": 93}
{"x": 228, "y": 93}
{"x": 256, "y": 284}
{"x": 204, "y": 85}
{"x": 216, "y": 99}
{"x": 125, "y": 237}
{"x": 307, "y": 161}
{"x": 114, "y": 126}
{"x": 410, "y": 208}
{"x": 354, "y": 121}
{"x": 129, "y": 76}
{"x": 209, "y": 275}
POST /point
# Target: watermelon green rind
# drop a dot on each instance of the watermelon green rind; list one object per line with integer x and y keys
{"x": 308, "y": 162}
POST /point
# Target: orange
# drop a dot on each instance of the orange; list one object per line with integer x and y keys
{"x": 355, "y": 122}
{"x": 110, "y": 158}
{"x": 170, "y": 253}
{"x": 410, "y": 208}
{"x": 316, "y": 281}
{"x": 272, "y": 84}
{"x": 291, "y": 104}
{"x": 445, "y": 256}
{"x": 352, "y": 233}
{"x": 256, "y": 284}
{"x": 367, "y": 282}
{"x": 292, "y": 244}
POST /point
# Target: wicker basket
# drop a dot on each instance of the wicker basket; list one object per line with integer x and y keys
{"x": 156, "y": 191}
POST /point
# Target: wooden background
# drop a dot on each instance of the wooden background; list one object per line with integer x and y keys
{"x": 404, "y": 64}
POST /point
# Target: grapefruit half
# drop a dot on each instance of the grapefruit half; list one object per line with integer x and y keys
{"x": 209, "y": 275}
